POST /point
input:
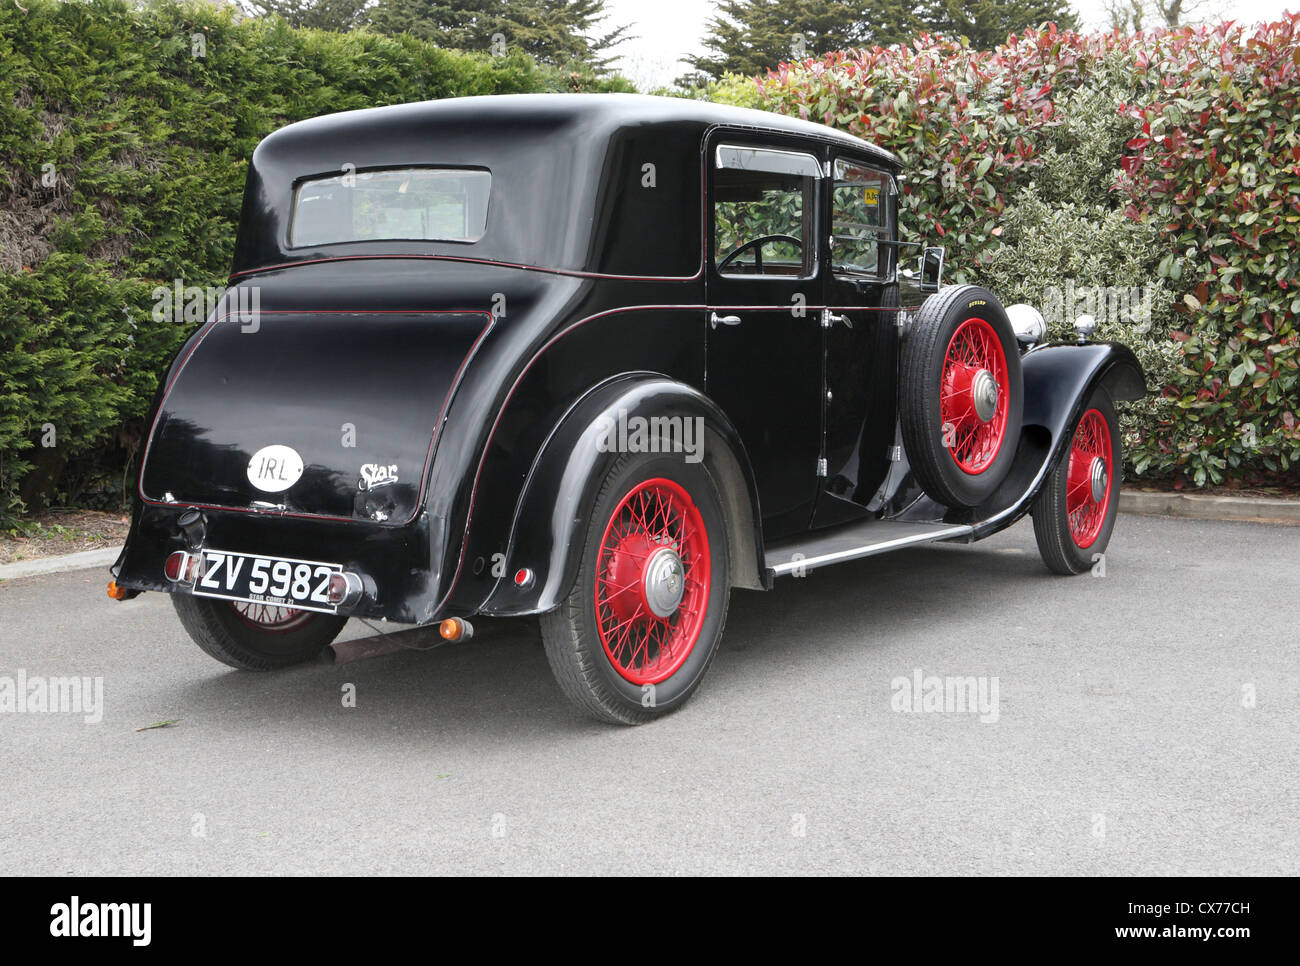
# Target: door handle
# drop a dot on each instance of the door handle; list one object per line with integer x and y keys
{"x": 716, "y": 320}
{"x": 829, "y": 319}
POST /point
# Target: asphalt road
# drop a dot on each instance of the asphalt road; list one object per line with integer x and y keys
{"x": 1126, "y": 739}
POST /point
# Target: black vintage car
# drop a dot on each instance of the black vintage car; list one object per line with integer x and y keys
{"x": 600, "y": 359}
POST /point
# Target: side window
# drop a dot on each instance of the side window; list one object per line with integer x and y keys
{"x": 859, "y": 218}
{"x": 764, "y": 205}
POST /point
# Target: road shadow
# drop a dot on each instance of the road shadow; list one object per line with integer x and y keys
{"x": 499, "y": 683}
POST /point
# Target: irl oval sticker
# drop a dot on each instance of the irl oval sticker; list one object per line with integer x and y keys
{"x": 275, "y": 468}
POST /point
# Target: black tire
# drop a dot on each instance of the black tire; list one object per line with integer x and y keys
{"x": 581, "y": 663}
{"x": 222, "y": 633}
{"x": 1058, "y": 541}
{"x": 925, "y": 430}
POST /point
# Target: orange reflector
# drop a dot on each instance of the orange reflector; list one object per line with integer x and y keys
{"x": 116, "y": 592}
{"x": 456, "y": 629}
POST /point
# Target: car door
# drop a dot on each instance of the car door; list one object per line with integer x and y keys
{"x": 763, "y": 287}
{"x": 859, "y": 335}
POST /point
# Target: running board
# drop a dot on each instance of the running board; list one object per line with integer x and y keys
{"x": 852, "y": 542}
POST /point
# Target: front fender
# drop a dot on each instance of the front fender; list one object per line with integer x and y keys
{"x": 549, "y": 529}
{"x": 1058, "y": 380}
{"x": 1060, "y": 373}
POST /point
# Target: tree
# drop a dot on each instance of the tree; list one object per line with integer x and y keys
{"x": 551, "y": 31}
{"x": 752, "y": 36}
{"x": 1134, "y": 15}
{"x": 337, "y": 15}
{"x": 560, "y": 31}
{"x": 987, "y": 23}
{"x": 464, "y": 24}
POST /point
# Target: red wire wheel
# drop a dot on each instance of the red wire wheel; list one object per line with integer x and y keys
{"x": 1075, "y": 509}
{"x": 973, "y": 396}
{"x": 269, "y": 617}
{"x": 652, "y": 581}
{"x": 1089, "y": 479}
{"x": 961, "y": 395}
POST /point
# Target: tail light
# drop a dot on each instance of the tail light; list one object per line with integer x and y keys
{"x": 344, "y": 589}
{"x": 182, "y": 567}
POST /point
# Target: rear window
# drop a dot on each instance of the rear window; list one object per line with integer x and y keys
{"x": 408, "y": 204}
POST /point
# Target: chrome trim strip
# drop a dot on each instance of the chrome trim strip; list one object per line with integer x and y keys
{"x": 871, "y": 549}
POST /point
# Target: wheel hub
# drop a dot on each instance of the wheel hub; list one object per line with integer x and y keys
{"x": 984, "y": 395}
{"x": 1097, "y": 479}
{"x": 664, "y": 582}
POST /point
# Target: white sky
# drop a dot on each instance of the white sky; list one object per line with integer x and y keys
{"x": 667, "y": 30}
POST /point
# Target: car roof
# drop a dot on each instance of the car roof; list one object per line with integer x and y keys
{"x": 609, "y": 111}
{"x": 561, "y": 165}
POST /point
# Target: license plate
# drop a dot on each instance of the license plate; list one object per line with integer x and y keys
{"x": 278, "y": 581}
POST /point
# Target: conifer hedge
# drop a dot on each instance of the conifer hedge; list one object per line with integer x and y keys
{"x": 125, "y": 133}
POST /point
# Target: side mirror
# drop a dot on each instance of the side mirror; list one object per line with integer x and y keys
{"x": 931, "y": 269}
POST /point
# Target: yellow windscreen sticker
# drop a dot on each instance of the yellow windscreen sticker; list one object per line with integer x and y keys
{"x": 871, "y": 195}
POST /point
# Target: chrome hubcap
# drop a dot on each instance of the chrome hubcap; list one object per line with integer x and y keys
{"x": 984, "y": 394}
{"x": 1097, "y": 478}
{"x": 664, "y": 583}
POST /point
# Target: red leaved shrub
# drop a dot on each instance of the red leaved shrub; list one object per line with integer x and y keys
{"x": 1216, "y": 165}
{"x": 1188, "y": 136}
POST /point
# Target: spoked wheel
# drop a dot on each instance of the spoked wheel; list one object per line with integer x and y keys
{"x": 255, "y": 637}
{"x": 973, "y": 400}
{"x": 269, "y": 617}
{"x": 640, "y": 627}
{"x": 1074, "y": 513}
{"x": 961, "y": 397}
{"x": 652, "y": 581}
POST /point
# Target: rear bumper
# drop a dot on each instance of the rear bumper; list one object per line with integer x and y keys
{"x": 401, "y": 581}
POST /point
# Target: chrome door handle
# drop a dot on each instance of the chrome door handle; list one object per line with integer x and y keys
{"x": 829, "y": 319}
{"x": 716, "y": 320}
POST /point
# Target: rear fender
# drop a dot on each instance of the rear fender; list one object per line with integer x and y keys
{"x": 549, "y": 528}
{"x": 1058, "y": 380}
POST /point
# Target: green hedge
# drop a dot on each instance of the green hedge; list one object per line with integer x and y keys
{"x": 1159, "y": 175}
{"x": 124, "y": 139}
{"x": 1215, "y": 169}
{"x": 1165, "y": 165}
